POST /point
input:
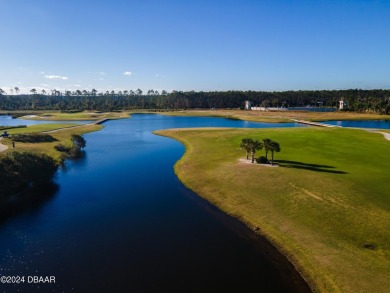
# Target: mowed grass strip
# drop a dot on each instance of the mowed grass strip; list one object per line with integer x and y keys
{"x": 326, "y": 207}
{"x": 39, "y": 128}
{"x": 61, "y": 136}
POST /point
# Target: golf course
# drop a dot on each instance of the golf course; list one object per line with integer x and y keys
{"x": 60, "y": 133}
{"x": 326, "y": 206}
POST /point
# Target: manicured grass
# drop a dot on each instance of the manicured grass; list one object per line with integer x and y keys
{"x": 327, "y": 207}
{"x": 86, "y": 115}
{"x": 62, "y": 136}
{"x": 279, "y": 116}
{"x": 39, "y": 128}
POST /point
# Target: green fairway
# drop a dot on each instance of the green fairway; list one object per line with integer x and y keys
{"x": 39, "y": 128}
{"x": 327, "y": 207}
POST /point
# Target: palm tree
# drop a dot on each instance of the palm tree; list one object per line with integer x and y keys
{"x": 266, "y": 142}
{"x": 274, "y": 147}
{"x": 245, "y": 146}
{"x": 33, "y": 91}
{"x": 17, "y": 90}
{"x": 2, "y": 92}
{"x": 254, "y": 145}
{"x": 43, "y": 92}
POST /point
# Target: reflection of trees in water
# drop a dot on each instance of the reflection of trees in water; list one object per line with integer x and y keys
{"x": 30, "y": 199}
{"x": 70, "y": 163}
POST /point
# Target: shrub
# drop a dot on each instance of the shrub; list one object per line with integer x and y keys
{"x": 33, "y": 138}
{"x": 261, "y": 160}
{"x": 62, "y": 148}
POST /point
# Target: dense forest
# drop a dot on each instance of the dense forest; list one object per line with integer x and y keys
{"x": 358, "y": 100}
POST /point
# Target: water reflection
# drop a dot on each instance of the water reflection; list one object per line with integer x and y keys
{"x": 123, "y": 222}
{"x": 30, "y": 200}
{"x": 379, "y": 124}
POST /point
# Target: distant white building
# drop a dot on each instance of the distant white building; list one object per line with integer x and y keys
{"x": 248, "y": 105}
{"x": 269, "y": 109}
{"x": 343, "y": 104}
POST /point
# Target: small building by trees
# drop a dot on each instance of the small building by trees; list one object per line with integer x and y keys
{"x": 343, "y": 105}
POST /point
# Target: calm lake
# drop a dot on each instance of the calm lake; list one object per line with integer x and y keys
{"x": 121, "y": 221}
{"x": 380, "y": 124}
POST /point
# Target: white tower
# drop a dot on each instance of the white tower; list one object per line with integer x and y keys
{"x": 248, "y": 105}
{"x": 343, "y": 104}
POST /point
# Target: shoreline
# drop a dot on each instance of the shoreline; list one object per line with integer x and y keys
{"x": 288, "y": 238}
{"x": 253, "y": 234}
{"x": 258, "y": 231}
{"x": 261, "y": 236}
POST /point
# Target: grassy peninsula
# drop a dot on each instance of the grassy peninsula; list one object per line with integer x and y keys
{"x": 61, "y": 134}
{"x": 327, "y": 206}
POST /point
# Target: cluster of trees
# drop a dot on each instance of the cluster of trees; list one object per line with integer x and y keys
{"x": 19, "y": 170}
{"x": 358, "y": 100}
{"x": 75, "y": 151}
{"x": 250, "y": 145}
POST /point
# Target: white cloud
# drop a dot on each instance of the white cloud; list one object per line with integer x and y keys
{"x": 157, "y": 75}
{"x": 102, "y": 73}
{"x": 56, "y": 77}
{"x": 127, "y": 73}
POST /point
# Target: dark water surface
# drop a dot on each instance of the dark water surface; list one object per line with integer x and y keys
{"x": 121, "y": 221}
{"x": 380, "y": 124}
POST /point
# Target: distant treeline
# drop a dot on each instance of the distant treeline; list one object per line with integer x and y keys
{"x": 358, "y": 100}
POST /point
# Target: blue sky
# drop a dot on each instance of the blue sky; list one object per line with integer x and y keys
{"x": 194, "y": 45}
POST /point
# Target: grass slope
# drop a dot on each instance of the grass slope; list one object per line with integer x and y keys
{"x": 326, "y": 207}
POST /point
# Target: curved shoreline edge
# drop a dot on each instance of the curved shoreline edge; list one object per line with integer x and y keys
{"x": 295, "y": 263}
{"x": 331, "y": 231}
